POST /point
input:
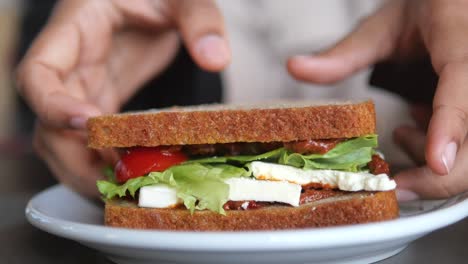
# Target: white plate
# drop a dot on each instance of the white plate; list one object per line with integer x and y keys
{"x": 61, "y": 212}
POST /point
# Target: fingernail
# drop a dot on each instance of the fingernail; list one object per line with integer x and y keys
{"x": 78, "y": 122}
{"x": 304, "y": 59}
{"x": 448, "y": 158}
{"x": 404, "y": 195}
{"x": 301, "y": 58}
{"x": 213, "y": 48}
{"x": 315, "y": 61}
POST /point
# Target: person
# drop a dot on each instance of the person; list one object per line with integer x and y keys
{"x": 92, "y": 56}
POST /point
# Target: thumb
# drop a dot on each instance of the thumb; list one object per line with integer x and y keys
{"x": 373, "y": 40}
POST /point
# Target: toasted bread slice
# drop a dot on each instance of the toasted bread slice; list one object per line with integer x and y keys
{"x": 352, "y": 208}
{"x": 226, "y": 124}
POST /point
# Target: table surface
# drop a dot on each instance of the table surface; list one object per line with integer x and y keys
{"x": 20, "y": 242}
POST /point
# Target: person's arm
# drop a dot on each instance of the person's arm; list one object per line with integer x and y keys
{"x": 402, "y": 29}
{"x": 92, "y": 56}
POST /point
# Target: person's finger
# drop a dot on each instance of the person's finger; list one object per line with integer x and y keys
{"x": 70, "y": 161}
{"x": 373, "y": 40}
{"x": 444, "y": 34}
{"x": 404, "y": 195}
{"x": 412, "y": 140}
{"x": 79, "y": 33}
{"x": 39, "y": 79}
{"x": 201, "y": 25}
{"x": 449, "y": 123}
{"x": 428, "y": 184}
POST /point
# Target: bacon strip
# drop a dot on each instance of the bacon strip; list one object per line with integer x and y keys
{"x": 312, "y": 146}
{"x": 308, "y": 195}
{"x": 378, "y": 165}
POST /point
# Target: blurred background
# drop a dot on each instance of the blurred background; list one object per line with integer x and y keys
{"x": 20, "y": 21}
{"x": 9, "y": 13}
{"x": 21, "y": 173}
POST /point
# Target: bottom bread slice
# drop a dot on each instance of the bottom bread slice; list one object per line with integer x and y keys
{"x": 352, "y": 208}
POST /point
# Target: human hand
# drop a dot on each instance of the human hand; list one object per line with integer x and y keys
{"x": 421, "y": 181}
{"x": 92, "y": 56}
{"x": 399, "y": 30}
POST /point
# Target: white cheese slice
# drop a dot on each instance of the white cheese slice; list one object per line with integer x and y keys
{"x": 274, "y": 183}
{"x": 245, "y": 189}
{"x": 158, "y": 196}
{"x": 346, "y": 181}
{"x": 240, "y": 189}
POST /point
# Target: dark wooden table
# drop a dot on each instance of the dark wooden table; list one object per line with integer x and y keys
{"x": 23, "y": 176}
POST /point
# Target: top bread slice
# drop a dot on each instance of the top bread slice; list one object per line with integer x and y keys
{"x": 210, "y": 124}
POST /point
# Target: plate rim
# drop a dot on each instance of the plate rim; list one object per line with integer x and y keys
{"x": 246, "y": 240}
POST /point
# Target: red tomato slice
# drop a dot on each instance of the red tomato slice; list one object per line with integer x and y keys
{"x": 139, "y": 161}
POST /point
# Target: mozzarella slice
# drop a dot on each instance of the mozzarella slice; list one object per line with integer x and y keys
{"x": 158, "y": 196}
{"x": 274, "y": 183}
{"x": 240, "y": 189}
{"x": 346, "y": 181}
{"x": 245, "y": 189}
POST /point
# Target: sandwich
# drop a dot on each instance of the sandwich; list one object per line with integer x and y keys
{"x": 231, "y": 168}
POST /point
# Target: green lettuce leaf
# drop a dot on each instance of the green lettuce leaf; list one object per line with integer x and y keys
{"x": 241, "y": 159}
{"x": 351, "y": 155}
{"x": 353, "y": 161}
{"x": 200, "y": 186}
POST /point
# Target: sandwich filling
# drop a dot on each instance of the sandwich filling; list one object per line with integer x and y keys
{"x": 241, "y": 176}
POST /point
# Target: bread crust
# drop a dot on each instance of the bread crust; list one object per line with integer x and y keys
{"x": 353, "y": 208}
{"x": 228, "y": 125}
